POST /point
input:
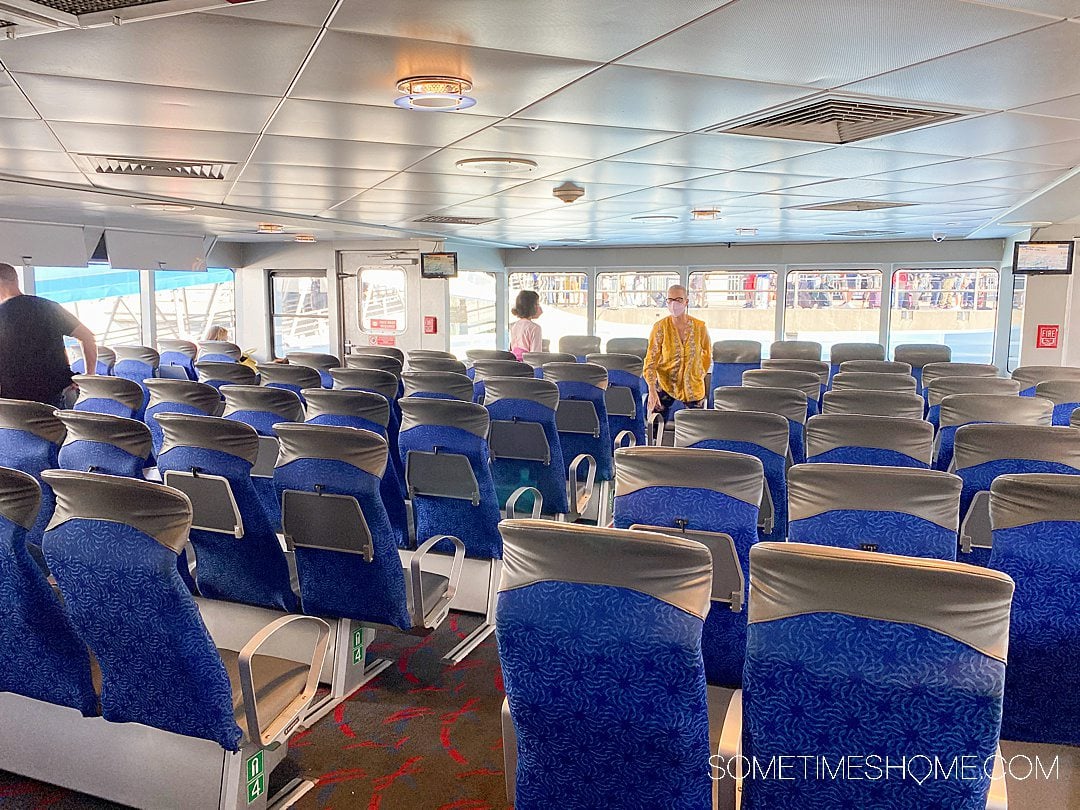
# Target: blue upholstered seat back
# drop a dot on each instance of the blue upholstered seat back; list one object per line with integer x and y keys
{"x": 979, "y": 477}
{"x": 29, "y": 453}
{"x": 174, "y": 358}
{"x": 1063, "y": 411}
{"x": 509, "y": 474}
{"x": 775, "y": 476}
{"x": 476, "y": 525}
{"x": 393, "y": 430}
{"x": 730, "y": 373}
{"x": 252, "y": 569}
{"x": 41, "y": 656}
{"x": 136, "y": 371}
{"x": 334, "y": 584}
{"x": 262, "y": 421}
{"x": 159, "y": 666}
{"x": 101, "y": 367}
{"x": 871, "y": 456}
{"x": 888, "y": 531}
{"x": 217, "y": 358}
{"x": 599, "y": 447}
{"x": 618, "y": 378}
{"x": 156, "y": 435}
{"x": 101, "y": 457}
{"x": 111, "y": 407}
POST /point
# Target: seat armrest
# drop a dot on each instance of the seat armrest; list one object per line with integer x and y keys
{"x": 516, "y": 495}
{"x": 625, "y": 436}
{"x": 572, "y": 498}
{"x": 279, "y": 728}
{"x": 416, "y": 580}
{"x": 654, "y": 429}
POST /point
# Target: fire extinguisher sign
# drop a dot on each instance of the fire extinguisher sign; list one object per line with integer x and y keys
{"x": 1048, "y": 336}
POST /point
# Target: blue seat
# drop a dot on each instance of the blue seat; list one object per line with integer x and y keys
{"x": 179, "y": 396}
{"x": 428, "y": 364}
{"x": 1036, "y": 526}
{"x": 638, "y": 347}
{"x": 584, "y": 428}
{"x": 968, "y": 409}
{"x": 374, "y": 362}
{"x": 364, "y": 410}
{"x": 697, "y": 490}
{"x": 889, "y": 656}
{"x": 261, "y": 407}
{"x": 1065, "y": 394}
{"x": 524, "y": 442}
{"x": 882, "y": 441}
{"x": 219, "y": 351}
{"x": 41, "y": 657}
{"x": 840, "y": 353}
{"x": 137, "y": 363}
{"x": 984, "y": 452}
{"x": 106, "y": 359}
{"x": 482, "y": 369}
{"x": 941, "y": 387}
{"x": 111, "y": 445}
{"x": 484, "y": 354}
{"x": 919, "y": 355}
{"x": 317, "y": 361}
{"x": 579, "y": 345}
{"x": 855, "y": 402}
{"x": 600, "y": 646}
{"x": 893, "y": 510}
{"x": 538, "y": 359}
{"x": 289, "y": 377}
{"x": 786, "y": 402}
{"x": 218, "y": 373}
{"x": 730, "y": 359}
{"x": 625, "y": 396}
{"x": 806, "y": 381}
{"x": 795, "y": 350}
{"x": 1029, "y": 377}
{"x": 30, "y": 439}
{"x": 438, "y": 385}
{"x": 765, "y": 436}
{"x": 114, "y": 396}
{"x": 386, "y": 385}
{"x": 236, "y": 547}
{"x": 179, "y": 353}
{"x": 448, "y": 479}
{"x": 113, "y": 547}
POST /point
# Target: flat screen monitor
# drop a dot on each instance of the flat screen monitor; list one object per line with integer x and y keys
{"x": 1042, "y": 258}
{"x": 438, "y": 265}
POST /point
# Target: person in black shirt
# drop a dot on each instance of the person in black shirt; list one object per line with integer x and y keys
{"x": 33, "y": 363}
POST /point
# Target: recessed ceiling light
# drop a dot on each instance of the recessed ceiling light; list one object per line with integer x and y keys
{"x": 270, "y": 227}
{"x": 746, "y": 231}
{"x": 1033, "y": 224}
{"x": 703, "y": 214}
{"x": 148, "y": 206}
{"x": 434, "y": 93}
{"x": 496, "y": 165}
{"x": 656, "y": 218}
{"x": 305, "y": 238}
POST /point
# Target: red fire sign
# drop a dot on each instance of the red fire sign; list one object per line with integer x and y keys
{"x": 384, "y": 324}
{"x": 431, "y": 325}
{"x": 382, "y": 340}
{"x": 1048, "y": 336}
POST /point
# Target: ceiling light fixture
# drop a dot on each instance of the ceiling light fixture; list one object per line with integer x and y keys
{"x": 271, "y": 228}
{"x": 434, "y": 93}
{"x": 746, "y": 231}
{"x": 705, "y": 214}
{"x": 151, "y": 206}
{"x": 305, "y": 238}
{"x": 568, "y": 192}
{"x": 496, "y": 165}
{"x": 656, "y": 218}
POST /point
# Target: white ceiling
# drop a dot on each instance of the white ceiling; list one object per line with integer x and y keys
{"x": 610, "y": 94}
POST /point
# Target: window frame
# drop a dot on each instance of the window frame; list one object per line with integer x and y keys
{"x": 403, "y": 325}
{"x": 272, "y": 314}
{"x": 494, "y": 278}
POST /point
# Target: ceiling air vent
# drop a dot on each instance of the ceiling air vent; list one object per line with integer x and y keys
{"x": 865, "y": 233}
{"x": 853, "y": 205}
{"x": 92, "y": 6}
{"x": 154, "y": 167}
{"x": 838, "y": 120}
{"x": 440, "y": 220}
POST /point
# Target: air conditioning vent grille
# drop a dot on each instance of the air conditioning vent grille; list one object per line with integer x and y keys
{"x": 154, "y": 167}
{"x": 839, "y": 121}
{"x": 445, "y": 220}
{"x": 6, "y": 23}
{"x": 853, "y": 205}
{"x": 92, "y": 6}
{"x": 865, "y": 233}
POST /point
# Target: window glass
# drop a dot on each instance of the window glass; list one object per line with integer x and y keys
{"x": 954, "y": 307}
{"x": 382, "y": 300}
{"x": 186, "y": 304}
{"x": 472, "y": 311}
{"x": 299, "y": 312}
{"x": 833, "y": 306}
{"x": 736, "y": 305}
{"x": 563, "y": 297}
{"x": 105, "y": 300}
{"x": 1016, "y": 322}
{"x": 628, "y": 302}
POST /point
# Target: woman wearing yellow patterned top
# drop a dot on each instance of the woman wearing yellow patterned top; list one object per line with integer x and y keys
{"x": 679, "y": 357}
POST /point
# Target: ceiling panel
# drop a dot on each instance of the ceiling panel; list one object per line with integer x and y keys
{"x": 153, "y": 142}
{"x": 720, "y": 151}
{"x": 312, "y": 175}
{"x": 529, "y": 137}
{"x": 656, "y": 99}
{"x": 747, "y": 182}
{"x": 1053, "y": 8}
{"x": 800, "y": 39}
{"x": 376, "y": 211}
{"x": 282, "y": 204}
{"x": 26, "y": 161}
{"x": 22, "y": 133}
{"x": 60, "y": 98}
{"x": 290, "y": 12}
{"x": 337, "y": 153}
{"x": 431, "y": 198}
{"x": 286, "y": 191}
{"x": 599, "y": 30}
{"x": 1067, "y": 107}
{"x": 1062, "y": 155}
{"x": 969, "y": 170}
{"x": 200, "y": 51}
{"x": 444, "y": 162}
{"x": 856, "y": 189}
{"x": 364, "y": 69}
{"x": 847, "y": 161}
{"x": 12, "y": 102}
{"x": 1030, "y": 67}
{"x": 185, "y": 188}
{"x": 974, "y": 137}
{"x": 457, "y": 183}
{"x": 632, "y": 174}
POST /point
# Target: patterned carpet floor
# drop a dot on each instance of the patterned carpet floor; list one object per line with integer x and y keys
{"x": 421, "y": 736}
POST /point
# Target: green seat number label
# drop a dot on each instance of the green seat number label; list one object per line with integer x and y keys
{"x": 358, "y": 646}
{"x": 256, "y": 778}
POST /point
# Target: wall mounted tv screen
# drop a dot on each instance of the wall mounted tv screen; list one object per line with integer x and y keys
{"x": 438, "y": 265}
{"x": 1042, "y": 258}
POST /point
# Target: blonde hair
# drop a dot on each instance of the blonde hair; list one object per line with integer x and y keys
{"x": 217, "y": 333}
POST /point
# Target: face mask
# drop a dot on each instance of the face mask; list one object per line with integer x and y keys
{"x": 676, "y": 308}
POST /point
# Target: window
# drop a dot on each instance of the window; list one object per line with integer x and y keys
{"x": 736, "y": 305}
{"x": 563, "y": 297}
{"x": 628, "y": 302}
{"x": 382, "y": 300}
{"x": 954, "y": 307}
{"x": 472, "y": 311}
{"x": 105, "y": 300}
{"x": 833, "y": 306}
{"x": 299, "y": 313}
{"x": 1016, "y": 322}
{"x": 187, "y": 304}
